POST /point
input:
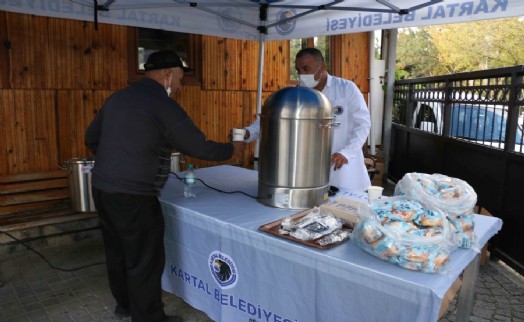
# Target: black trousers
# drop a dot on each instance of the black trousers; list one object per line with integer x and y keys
{"x": 133, "y": 231}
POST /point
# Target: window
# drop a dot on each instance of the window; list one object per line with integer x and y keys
{"x": 295, "y": 45}
{"x": 144, "y": 41}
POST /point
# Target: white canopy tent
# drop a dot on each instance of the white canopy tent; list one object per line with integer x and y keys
{"x": 274, "y": 19}
{"x": 266, "y": 20}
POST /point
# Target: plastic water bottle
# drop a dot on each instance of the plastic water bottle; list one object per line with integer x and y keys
{"x": 189, "y": 182}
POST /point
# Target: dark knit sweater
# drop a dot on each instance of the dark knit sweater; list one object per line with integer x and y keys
{"x": 132, "y": 133}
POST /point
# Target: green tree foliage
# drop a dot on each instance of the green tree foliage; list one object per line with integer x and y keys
{"x": 417, "y": 55}
{"x": 461, "y": 47}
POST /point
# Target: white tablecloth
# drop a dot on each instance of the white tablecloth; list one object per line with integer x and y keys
{"x": 274, "y": 279}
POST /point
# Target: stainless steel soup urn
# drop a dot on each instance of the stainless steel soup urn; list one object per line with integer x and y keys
{"x": 296, "y": 132}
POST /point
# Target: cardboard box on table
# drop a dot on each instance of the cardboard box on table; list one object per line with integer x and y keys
{"x": 344, "y": 208}
{"x": 449, "y": 296}
{"x": 484, "y": 252}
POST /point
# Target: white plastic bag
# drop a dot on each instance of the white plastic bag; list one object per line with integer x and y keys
{"x": 401, "y": 231}
{"x": 452, "y": 195}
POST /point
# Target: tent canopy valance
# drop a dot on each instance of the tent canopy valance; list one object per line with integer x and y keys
{"x": 275, "y": 19}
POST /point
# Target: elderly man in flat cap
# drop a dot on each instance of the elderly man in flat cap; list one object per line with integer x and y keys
{"x": 132, "y": 137}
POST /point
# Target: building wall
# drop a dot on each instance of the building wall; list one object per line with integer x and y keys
{"x": 55, "y": 74}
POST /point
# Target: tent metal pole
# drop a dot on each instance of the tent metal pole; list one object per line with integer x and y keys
{"x": 388, "y": 106}
{"x": 370, "y": 107}
{"x": 261, "y": 51}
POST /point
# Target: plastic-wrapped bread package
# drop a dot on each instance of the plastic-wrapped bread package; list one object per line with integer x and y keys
{"x": 403, "y": 232}
{"x": 452, "y": 195}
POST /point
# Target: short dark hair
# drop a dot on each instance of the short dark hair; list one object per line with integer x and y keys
{"x": 312, "y": 52}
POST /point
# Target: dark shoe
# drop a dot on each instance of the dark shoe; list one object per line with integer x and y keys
{"x": 121, "y": 313}
{"x": 174, "y": 318}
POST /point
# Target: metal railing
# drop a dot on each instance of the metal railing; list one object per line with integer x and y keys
{"x": 485, "y": 107}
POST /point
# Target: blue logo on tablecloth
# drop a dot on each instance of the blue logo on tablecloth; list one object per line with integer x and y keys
{"x": 223, "y": 269}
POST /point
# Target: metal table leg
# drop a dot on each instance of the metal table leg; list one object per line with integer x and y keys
{"x": 465, "y": 300}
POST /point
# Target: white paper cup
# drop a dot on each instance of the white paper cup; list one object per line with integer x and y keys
{"x": 238, "y": 134}
{"x": 374, "y": 192}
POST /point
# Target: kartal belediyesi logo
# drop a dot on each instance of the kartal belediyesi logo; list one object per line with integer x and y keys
{"x": 286, "y": 27}
{"x": 223, "y": 269}
{"x": 229, "y": 25}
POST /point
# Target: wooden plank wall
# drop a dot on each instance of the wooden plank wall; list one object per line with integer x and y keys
{"x": 353, "y": 52}
{"x": 28, "y": 126}
{"x": 59, "y": 72}
{"x": 5, "y": 65}
{"x": 55, "y": 75}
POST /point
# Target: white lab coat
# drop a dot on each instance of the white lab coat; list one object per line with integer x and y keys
{"x": 355, "y": 122}
{"x": 348, "y": 138}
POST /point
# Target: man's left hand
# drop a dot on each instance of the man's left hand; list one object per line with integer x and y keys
{"x": 338, "y": 160}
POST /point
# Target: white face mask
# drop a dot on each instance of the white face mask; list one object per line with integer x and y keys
{"x": 308, "y": 80}
{"x": 168, "y": 88}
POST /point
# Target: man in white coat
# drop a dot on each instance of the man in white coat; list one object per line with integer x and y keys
{"x": 348, "y": 169}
